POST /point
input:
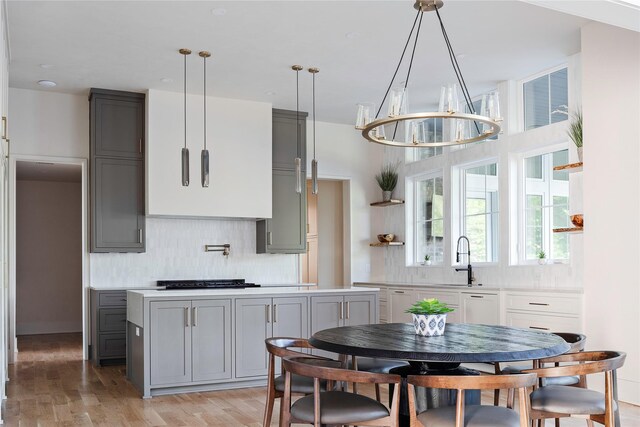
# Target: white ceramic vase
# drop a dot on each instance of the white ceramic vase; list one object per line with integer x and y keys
{"x": 579, "y": 153}
{"x": 386, "y": 196}
{"x": 429, "y": 325}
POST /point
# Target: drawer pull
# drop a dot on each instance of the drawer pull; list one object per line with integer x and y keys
{"x": 536, "y": 327}
{"x": 476, "y": 296}
{"x": 399, "y": 292}
{"x": 538, "y": 303}
{"x": 123, "y": 299}
{"x": 195, "y": 316}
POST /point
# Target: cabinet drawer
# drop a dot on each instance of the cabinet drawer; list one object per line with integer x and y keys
{"x": 543, "y": 322}
{"x": 544, "y": 303}
{"x": 118, "y": 298}
{"x": 449, "y": 298}
{"x": 112, "y": 319}
{"x": 113, "y": 345}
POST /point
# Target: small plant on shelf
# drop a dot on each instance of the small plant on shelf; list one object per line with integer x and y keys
{"x": 387, "y": 180}
{"x": 542, "y": 257}
{"x": 429, "y": 316}
{"x": 575, "y": 131}
{"x": 427, "y": 259}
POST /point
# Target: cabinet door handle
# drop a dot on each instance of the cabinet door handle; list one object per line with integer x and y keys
{"x": 341, "y": 310}
{"x": 140, "y": 235}
{"x": 186, "y": 317}
{"x": 4, "y": 127}
{"x": 399, "y": 292}
{"x": 348, "y": 310}
{"x": 140, "y": 145}
{"x": 476, "y": 296}
{"x": 269, "y": 239}
{"x": 267, "y": 309}
{"x": 298, "y": 166}
{"x": 275, "y": 313}
{"x": 537, "y": 303}
{"x": 536, "y": 327}
{"x": 195, "y": 316}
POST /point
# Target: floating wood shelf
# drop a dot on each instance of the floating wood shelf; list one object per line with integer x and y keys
{"x": 568, "y": 230}
{"x": 381, "y": 244}
{"x": 388, "y": 203}
{"x": 571, "y": 167}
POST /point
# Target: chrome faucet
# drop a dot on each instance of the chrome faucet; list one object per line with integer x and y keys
{"x": 468, "y": 268}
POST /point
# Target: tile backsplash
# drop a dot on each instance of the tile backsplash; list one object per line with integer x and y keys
{"x": 175, "y": 250}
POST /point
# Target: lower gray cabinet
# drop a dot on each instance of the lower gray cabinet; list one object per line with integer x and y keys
{"x": 190, "y": 341}
{"x": 260, "y": 318}
{"x": 108, "y": 326}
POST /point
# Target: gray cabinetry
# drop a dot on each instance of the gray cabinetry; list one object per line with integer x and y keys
{"x": 117, "y": 171}
{"x": 285, "y": 231}
{"x": 190, "y": 341}
{"x": 108, "y": 326}
{"x": 260, "y": 318}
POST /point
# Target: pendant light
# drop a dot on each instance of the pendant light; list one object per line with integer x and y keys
{"x": 298, "y": 160}
{"x": 204, "y": 156}
{"x": 314, "y": 162}
{"x": 185, "y": 150}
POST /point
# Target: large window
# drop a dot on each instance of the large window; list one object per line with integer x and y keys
{"x": 429, "y": 131}
{"x": 479, "y": 211}
{"x": 429, "y": 217}
{"x": 545, "y": 99}
{"x": 546, "y": 206}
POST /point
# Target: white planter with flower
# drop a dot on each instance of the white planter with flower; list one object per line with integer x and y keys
{"x": 429, "y": 317}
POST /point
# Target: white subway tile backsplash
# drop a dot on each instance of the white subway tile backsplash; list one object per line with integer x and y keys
{"x": 175, "y": 250}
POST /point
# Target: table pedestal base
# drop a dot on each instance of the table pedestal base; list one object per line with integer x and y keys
{"x": 429, "y": 398}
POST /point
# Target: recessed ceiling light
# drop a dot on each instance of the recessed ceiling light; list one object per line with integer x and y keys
{"x": 270, "y": 92}
{"x": 166, "y": 80}
{"x": 46, "y": 66}
{"x": 352, "y": 35}
{"x": 47, "y": 83}
{"x": 219, "y": 11}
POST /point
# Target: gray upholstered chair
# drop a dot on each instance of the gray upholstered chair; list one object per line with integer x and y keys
{"x": 336, "y": 407}
{"x": 471, "y": 415}
{"x": 559, "y": 401}
{"x": 282, "y": 347}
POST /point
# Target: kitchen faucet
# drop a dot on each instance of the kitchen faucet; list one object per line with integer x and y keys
{"x": 468, "y": 268}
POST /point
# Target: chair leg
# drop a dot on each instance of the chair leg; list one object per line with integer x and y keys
{"x": 268, "y": 409}
{"x": 557, "y": 420}
{"x": 377, "y": 392}
{"x": 496, "y": 397}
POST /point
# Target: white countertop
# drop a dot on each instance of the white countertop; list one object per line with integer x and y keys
{"x": 464, "y": 288}
{"x": 154, "y": 287}
{"x": 267, "y": 290}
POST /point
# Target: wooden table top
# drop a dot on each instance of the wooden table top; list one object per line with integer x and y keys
{"x": 460, "y": 343}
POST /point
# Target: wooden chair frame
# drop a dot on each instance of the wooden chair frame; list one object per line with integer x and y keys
{"x": 280, "y": 347}
{"x": 311, "y": 367}
{"x": 462, "y": 383}
{"x": 587, "y": 362}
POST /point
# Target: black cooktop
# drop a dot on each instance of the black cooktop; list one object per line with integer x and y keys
{"x": 206, "y": 284}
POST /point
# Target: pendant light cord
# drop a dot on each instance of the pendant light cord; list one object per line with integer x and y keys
{"x": 313, "y": 95}
{"x": 297, "y": 107}
{"x": 205, "y": 101}
{"x": 185, "y": 101}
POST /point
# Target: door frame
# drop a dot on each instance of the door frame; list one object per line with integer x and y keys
{"x": 82, "y": 162}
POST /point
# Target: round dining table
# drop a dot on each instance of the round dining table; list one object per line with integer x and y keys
{"x": 442, "y": 355}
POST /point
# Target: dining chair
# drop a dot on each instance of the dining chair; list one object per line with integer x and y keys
{"x": 560, "y": 401}
{"x": 577, "y": 343}
{"x": 282, "y": 347}
{"x": 374, "y": 365}
{"x": 471, "y": 415}
{"x": 336, "y": 407}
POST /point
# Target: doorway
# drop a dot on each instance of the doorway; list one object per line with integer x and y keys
{"x": 47, "y": 283}
{"x": 324, "y": 261}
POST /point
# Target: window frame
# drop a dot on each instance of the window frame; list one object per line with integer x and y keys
{"x": 520, "y": 94}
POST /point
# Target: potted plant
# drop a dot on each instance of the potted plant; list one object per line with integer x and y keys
{"x": 542, "y": 258}
{"x": 575, "y": 132}
{"x": 387, "y": 179}
{"x": 429, "y": 316}
{"x": 427, "y": 259}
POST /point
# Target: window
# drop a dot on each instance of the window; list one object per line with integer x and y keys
{"x": 431, "y": 130}
{"x": 429, "y": 219}
{"x": 546, "y": 206}
{"x": 545, "y": 100}
{"x": 479, "y": 211}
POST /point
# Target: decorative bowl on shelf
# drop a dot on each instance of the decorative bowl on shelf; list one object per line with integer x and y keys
{"x": 382, "y": 238}
{"x": 577, "y": 220}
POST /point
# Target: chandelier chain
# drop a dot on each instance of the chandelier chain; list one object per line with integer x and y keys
{"x": 415, "y": 21}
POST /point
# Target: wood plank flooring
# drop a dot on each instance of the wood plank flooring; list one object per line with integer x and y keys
{"x": 50, "y": 385}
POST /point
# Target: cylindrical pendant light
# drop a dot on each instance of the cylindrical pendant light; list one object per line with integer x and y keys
{"x": 314, "y": 162}
{"x": 185, "y": 150}
{"x": 298, "y": 161}
{"x": 204, "y": 156}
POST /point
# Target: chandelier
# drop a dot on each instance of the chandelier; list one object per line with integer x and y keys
{"x": 447, "y": 126}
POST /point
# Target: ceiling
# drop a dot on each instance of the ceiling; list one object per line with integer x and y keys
{"x": 133, "y": 45}
{"x": 42, "y": 171}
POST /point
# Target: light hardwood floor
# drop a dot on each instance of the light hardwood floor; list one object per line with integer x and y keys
{"x": 50, "y": 385}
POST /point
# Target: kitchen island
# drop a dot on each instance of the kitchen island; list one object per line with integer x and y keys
{"x": 200, "y": 340}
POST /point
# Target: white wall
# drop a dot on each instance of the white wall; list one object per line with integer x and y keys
{"x": 239, "y": 144}
{"x": 330, "y": 235}
{"x": 611, "y": 107}
{"x": 48, "y": 257}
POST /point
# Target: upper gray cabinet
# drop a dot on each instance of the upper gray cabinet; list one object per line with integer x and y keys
{"x": 117, "y": 171}
{"x": 285, "y": 231}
